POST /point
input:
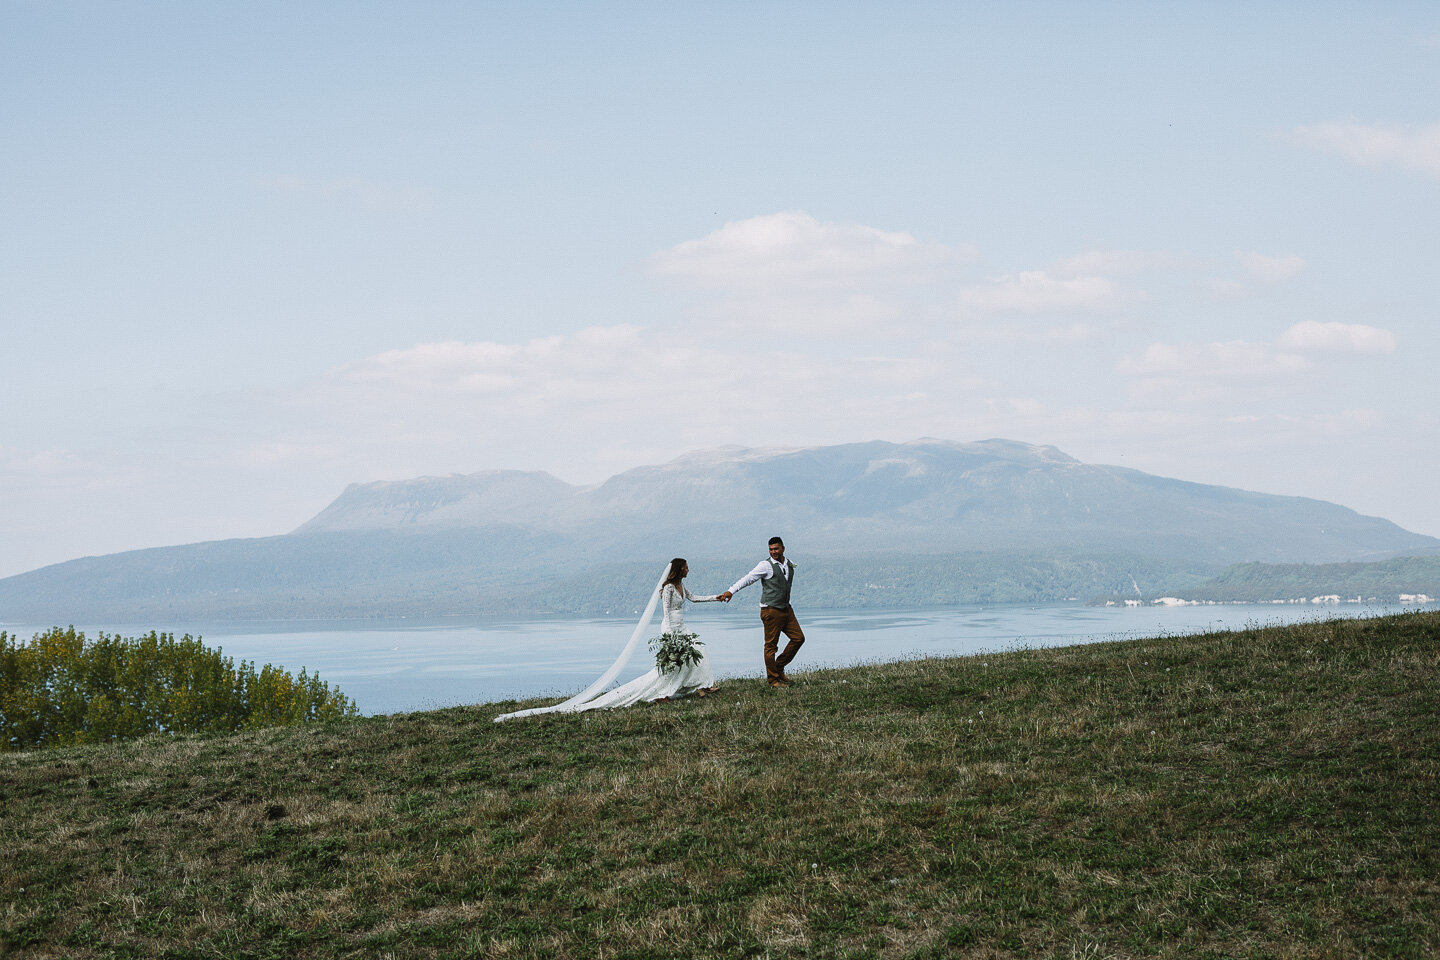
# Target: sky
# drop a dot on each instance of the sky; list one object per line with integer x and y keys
{"x": 251, "y": 253}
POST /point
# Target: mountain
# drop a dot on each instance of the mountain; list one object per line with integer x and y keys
{"x": 926, "y": 496}
{"x": 990, "y": 521}
{"x": 476, "y": 500}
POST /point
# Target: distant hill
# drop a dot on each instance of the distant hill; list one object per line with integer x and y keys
{"x": 1386, "y": 580}
{"x": 931, "y": 521}
{"x": 927, "y": 496}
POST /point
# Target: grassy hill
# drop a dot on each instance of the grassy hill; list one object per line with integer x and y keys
{"x": 1260, "y": 793}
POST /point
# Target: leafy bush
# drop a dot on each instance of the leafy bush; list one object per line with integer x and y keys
{"x": 62, "y": 689}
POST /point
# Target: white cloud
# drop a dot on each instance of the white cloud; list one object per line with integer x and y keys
{"x": 1414, "y": 147}
{"x": 788, "y": 273}
{"x": 579, "y": 372}
{"x": 601, "y": 365}
{"x": 1228, "y": 431}
{"x": 1313, "y": 336}
{"x": 1345, "y": 423}
{"x": 1288, "y": 354}
{"x": 854, "y": 314}
{"x": 620, "y": 394}
{"x": 1036, "y": 291}
{"x": 1226, "y": 289}
{"x": 1094, "y": 262}
{"x": 1003, "y": 332}
{"x": 1148, "y": 422}
{"x": 1063, "y": 333}
{"x": 1235, "y": 358}
{"x": 15, "y": 462}
{"x": 59, "y": 472}
{"x": 1272, "y": 269}
{"x": 794, "y": 247}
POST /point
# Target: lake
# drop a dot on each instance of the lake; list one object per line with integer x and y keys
{"x": 395, "y": 666}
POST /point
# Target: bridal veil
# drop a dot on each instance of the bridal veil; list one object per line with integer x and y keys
{"x": 597, "y": 689}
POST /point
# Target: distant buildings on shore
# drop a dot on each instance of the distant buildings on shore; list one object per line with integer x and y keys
{"x": 1327, "y": 599}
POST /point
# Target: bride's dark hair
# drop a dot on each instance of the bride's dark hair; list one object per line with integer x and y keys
{"x": 673, "y": 576}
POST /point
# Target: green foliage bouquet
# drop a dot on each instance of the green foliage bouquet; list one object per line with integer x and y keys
{"x": 675, "y": 650}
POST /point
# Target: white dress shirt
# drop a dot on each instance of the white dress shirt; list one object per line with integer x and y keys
{"x": 763, "y": 571}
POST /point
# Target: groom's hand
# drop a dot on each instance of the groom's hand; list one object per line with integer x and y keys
{"x": 726, "y": 596}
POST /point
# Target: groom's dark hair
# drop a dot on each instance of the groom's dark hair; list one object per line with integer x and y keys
{"x": 775, "y": 540}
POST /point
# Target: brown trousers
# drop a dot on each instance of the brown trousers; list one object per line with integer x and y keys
{"x": 776, "y": 622}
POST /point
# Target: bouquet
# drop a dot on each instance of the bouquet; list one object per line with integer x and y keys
{"x": 675, "y": 650}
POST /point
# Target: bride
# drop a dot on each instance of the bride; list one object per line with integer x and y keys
{"x": 692, "y": 676}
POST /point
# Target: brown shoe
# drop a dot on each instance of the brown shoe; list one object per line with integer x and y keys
{"x": 780, "y": 682}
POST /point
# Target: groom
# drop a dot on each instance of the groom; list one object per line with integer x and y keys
{"x": 776, "y": 615}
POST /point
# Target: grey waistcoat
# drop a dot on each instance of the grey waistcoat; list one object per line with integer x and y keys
{"x": 775, "y": 589}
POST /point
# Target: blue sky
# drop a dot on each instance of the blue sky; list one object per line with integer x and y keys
{"x": 253, "y": 252}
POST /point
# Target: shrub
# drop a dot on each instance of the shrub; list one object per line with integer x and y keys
{"x": 62, "y": 689}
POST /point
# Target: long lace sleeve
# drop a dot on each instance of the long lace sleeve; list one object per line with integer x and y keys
{"x": 694, "y": 599}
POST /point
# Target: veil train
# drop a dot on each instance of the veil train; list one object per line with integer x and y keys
{"x": 578, "y": 702}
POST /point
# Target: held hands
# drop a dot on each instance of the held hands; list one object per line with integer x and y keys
{"x": 725, "y": 597}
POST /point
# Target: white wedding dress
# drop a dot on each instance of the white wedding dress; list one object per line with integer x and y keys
{"x": 654, "y": 685}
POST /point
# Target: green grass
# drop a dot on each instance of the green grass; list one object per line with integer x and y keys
{"x": 1271, "y": 792}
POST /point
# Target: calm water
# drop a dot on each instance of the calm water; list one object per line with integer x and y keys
{"x": 402, "y": 665}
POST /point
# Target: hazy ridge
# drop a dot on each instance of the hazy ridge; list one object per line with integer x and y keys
{"x": 871, "y": 524}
